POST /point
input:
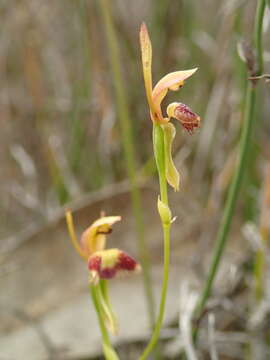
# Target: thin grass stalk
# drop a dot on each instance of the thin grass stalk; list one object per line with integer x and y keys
{"x": 35, "y": 83}
{"x": 129, "y": 152}
{"x": 241, "y": 167}
{"x": 81, "y": 94}
{"x": 57, "y": 176}
{"x": 158, "y": 142}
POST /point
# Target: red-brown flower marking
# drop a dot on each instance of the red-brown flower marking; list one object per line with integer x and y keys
{"x": 188, "y": 119}
{"x": 106, "y": 264}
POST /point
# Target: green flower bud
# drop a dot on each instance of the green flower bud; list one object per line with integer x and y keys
{"x": 164, "y": 212}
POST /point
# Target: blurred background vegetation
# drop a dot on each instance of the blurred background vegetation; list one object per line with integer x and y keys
{"x": 61, "y": 135}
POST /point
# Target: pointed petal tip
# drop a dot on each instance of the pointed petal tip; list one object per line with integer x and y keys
{"x": 143, "y": 27}
{"x": 144, "y": 36}
{"x": 192, "y": 71}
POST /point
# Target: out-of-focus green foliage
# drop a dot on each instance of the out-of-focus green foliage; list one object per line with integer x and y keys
{"x": 60, "y": 134}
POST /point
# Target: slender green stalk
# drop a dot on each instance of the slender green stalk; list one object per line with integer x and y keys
{"x": 108, "y": 350}
{"x": 258, "y": 35}
{"x": 260, "y": 256}
{"x": 81, "y": 93}
{"x": 105, "y": 296}
{"x": 158, "y": 141}
{"x": 238, "y": 176}
{"x": 104, "y": 289}
{"x": 129, "y": 151}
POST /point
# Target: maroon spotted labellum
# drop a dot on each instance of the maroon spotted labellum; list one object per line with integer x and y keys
{"x": 187, "y": 117}
{"x": 107, "y": 263}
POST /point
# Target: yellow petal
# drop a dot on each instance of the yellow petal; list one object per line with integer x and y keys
{"x": 172, "y": 174}
{"x": 171, "y": 81}
{"x": 106, "y": 220}
{"x": 94, "y": 237}
{"x": 146, "y": 50}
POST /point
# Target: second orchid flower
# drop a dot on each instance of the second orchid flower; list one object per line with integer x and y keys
{"x": 172, "y": 81}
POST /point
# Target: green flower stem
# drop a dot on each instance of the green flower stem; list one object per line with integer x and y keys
{"x": 108, "y": 350}
{"x": 158, "y": 142}
{"x": 106, "y": 299}
{"x": 104, "y": 289}
{"x": 129, "y": 152}
{"x": 238, "y": 176}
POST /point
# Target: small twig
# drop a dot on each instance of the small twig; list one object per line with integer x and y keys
{"x": 260, "y": 77}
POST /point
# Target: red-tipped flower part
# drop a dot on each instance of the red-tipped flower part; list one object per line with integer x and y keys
{"x": 126, "y": 262}
{"x": 185, "y": 115}
{"x": 107, "y": 264}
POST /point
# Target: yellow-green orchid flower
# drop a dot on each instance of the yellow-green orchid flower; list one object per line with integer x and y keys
{"x": 172, "y": 81}
{"x": 102, "y": 263}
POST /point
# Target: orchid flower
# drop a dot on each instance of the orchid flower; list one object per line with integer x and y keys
{"x": 102, "y": 263}
{"x": 172, "y": 81}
